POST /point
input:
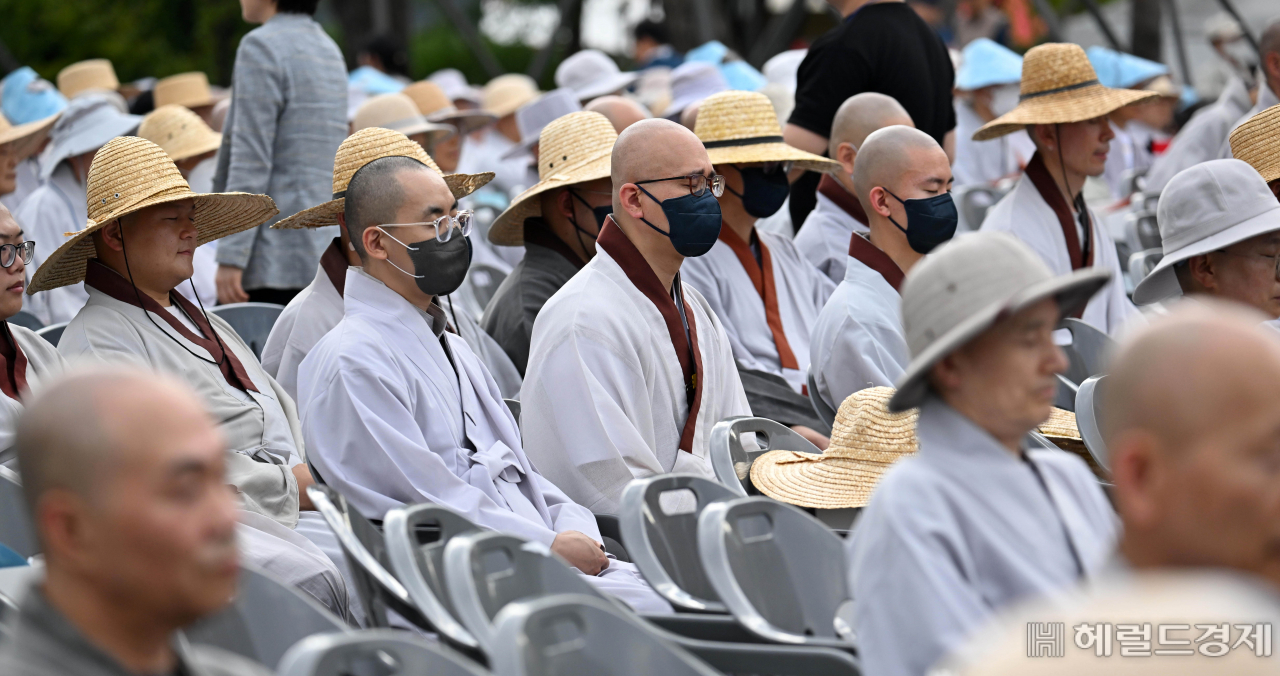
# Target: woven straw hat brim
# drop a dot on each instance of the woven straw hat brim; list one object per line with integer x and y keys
{"x": 508, "y": 227}
{"x": 1073, "y": 105}
{"x": 24, "y": 139}
{"x": 216, "y": 216}
{"x": 326, "y": 214}
{"x": 1257, "y": 142}
{"x": 772, "y": 152}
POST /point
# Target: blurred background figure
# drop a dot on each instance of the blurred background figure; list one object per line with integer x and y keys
{"x": 29, "y": 107}
{"x": 186, "y": 89}
{"x": 501, "y": 98}
{"x": 987, "y": 86}
{"x": 690, "y": 84}
{"x": 432, "y": 102}
{"x": 1236, "y": 57}
{"x": 653, "y": 48}
{"x": 1134, "y": 136}
{"x": 621, "y": 111}
{"x": 398, "y": 112}
{"x": 455, "y": 86}
{"x": 93, "y": 76}
{"x": 591, "y": 73}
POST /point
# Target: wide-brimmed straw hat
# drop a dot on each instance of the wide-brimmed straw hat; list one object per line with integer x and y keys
{"x": 184, "y": 89}
{"x": 179, "y": 132}
{"x": 573, "y": 149}
{"x": 865, "y": 440}
{"x": 535, "y": 115}
{"x": 506, "y": 93}
{"x": 740, "y": 127}
{"x": 360, "y": 149}
{"x": 130, "y": 174}
{"x": 1059, "y": 86}
{"x": 438, "y": 107}
{"x": 85, "y": 75}
{"x": 1206, "y": 208}
{"x": 398, "y": 112}
{"x": 24, "y": 139}
{"x": 1257, "y": 142}
{"x": 966, "y": 286}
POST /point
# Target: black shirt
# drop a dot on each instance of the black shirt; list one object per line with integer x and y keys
{"x": 883, "y": 47}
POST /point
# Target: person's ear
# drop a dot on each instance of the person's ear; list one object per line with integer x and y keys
{"x": 564, "y": 202}
{"x": 111, "y": 235}
{"x": 945, "y": 375}
{"x": 1137, "y": 475}
{"x": 64, "y": 530}
{"x": 846, "y": 155}
{"x": 342, "y": 220}
{"x": 630, "y": 196}
{"x": 1203, "y": 271}
{"x": 373, "y": 244}
{"x": 880, "y": 201}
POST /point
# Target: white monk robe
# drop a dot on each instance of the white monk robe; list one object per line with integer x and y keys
{"x": 257, "y": 419}
{"x": 392, "y": 418}
{"x": 1202, "y": 137}
{"x": 962, "y": 530}
{"x": 1266, "y": 99}
{"x": 1054, "y": 233}
{"x": 768, "y": 298}
{"x": 985, "y": 162}
{"x": 858, "y": 341}
{"x": 34, "y": 362}
{"x": 614, "y": 390}
{"x": 57, "y": 207}
{"x": 824, "y": 237}
{"x": 318, "y": 308}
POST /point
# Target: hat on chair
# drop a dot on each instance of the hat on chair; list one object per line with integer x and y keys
{"x": 90, "y": 74}
{"x": 1257, "y": 142}
{"x": 360, "y": 149}
{"x": 179, "y": 132}
{"x": 130, "y": 174}
{"x": 965, "y": 287}
{"x": 739, "y": 127}
{"x": 437, "y": 107}
{"x": 1206, "y": 208}
{"x": 184, "y": 89}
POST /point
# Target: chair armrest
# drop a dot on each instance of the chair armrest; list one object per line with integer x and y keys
{"x": 722, "y": 628}
{"x": 772, "y": 660}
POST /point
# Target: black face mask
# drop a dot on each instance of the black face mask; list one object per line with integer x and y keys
{"x": 600, "y": 213}
{"x": 930, "y": 221}
{"x": 438, "y": 267}
{"x": 762, "y": 192}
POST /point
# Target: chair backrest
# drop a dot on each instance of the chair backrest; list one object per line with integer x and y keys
{"x": 731, "y": 460}
{"x": 486, "y": 570}
{"x": 975, "y": 201}
{"x": 1089, "y": 419}
{"x": 366, "y": 553}
{"x": 781, "y": 572}
{"x": 574, "y": 634}
{"x": 252, "y": 321}
{"x": 375, "y": 652}
{"x": 1141, "y": 263}
{"x": 16, "y": 530}
{"x": 664, "y": 544}
{"x": 53, "y": 332}
{"x": 420, "y": 565}
{"x": 825, "y": 413}
{"x": 26, "y": 320}
{"x": 266, "y": 618}
{"x": 1091, "y": 344}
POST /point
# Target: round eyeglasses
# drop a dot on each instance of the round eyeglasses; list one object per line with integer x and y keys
{"x": 698, "y": 183}
{"x": 10, "y": 252}
{"x": 444, "y": 226}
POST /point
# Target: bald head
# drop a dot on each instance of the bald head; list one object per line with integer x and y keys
{"x": 862, "y": 114}
{"x": 655, "y": 148}
{"x": 892, "y": 156}
{"x": 621, "y": 111}
{"x": 1269, "y": 42}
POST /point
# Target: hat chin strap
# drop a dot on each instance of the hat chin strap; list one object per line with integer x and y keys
{"x": 1076, "y": 201}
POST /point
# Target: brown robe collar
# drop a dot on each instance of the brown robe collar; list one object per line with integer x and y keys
{"x": 110, "y": 282}
{"x": 13, "y": 365}
{"x": 334, "y": 263}
{"x": 849, "y": 203}
{"x": 761, "y": 274}
{"x": 1049, "y": 191}
{"x": 615, "y": 242}
{"x": 869, "y": 255}
{"x": 538, "y": 231}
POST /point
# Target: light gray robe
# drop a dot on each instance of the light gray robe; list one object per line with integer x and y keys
{"x": 43, "y": 364}
{"x": 52, "y": 210}
{"x": 1202, "y": 137}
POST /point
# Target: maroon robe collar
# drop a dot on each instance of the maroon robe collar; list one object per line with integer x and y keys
{"x": 538, "y": 231}
{"x": 1049, "y": 191}
{"x": 862, "y": 249}
{"x": 761, "y": 274}
{"x": 832, "y": 190}
{"x": 110, "y": 282}
{"x": 13, "y": 366}
{"x": 334, "y": 263}
{"x": 614, "y": 241}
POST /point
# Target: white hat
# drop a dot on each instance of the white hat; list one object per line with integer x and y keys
{"x": 591, "y": 73}
{"x": 88, "y": 122}
{"x": 398, "y": 112}
{"x": 783, "y": 67}
{"x": 540, "y": 112}
{"x": 964, "y": 288}
{"x": 692, "y": 82}
{"x": 1206, "y": 208}
{"x": 455, "y": 85}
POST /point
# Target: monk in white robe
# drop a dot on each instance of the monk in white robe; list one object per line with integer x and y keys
{"x": 1201, "y": 139}
{"x": 397, "y": 411}
{"x": 1268, "y": 79}
{"x": 617, "y": 387}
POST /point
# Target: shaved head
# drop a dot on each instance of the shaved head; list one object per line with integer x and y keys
{"x": 1269, "y": 42}
{"x": 862, "y": 114}
{"x": 889, "y": 156}
{"x": 655, "y": 148}
{"x": 621, "y": 111}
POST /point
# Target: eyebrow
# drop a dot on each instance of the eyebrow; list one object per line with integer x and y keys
{"x": 19, "y": 234}
{"x": 184, "y": 467}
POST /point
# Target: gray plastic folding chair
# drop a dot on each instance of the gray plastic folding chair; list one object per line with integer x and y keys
{"x": 420, "y": 566}
{"x": 53, "y": 333}
{"x": 26, "y": 320}
{"x": 825, "y": 413}
{"x": 1093, "y": 346}
{"x": 1089, "y": 419}
{"x": 265, "y": 619}
{"x": 375, "y": 652}
{"x": 664, "y": 545}
{"x": 513, "y": 405}
{"x": 252, "y": 321}
{"x": 1141, "y": 263}
{"x": 16, "y": 530}
{"x": 731, "y": 461}
{"x": 781, "y": 572}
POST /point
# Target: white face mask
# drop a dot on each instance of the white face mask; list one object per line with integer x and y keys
{"x": 1005, "y": 99}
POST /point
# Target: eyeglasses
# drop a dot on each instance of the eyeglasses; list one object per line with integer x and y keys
{"x": 10, "y": 252}
{"x": 444, "y": 226}
{"x": 697, "y": 183}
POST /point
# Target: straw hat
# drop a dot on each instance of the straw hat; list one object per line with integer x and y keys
{"x": 535, "y": 115}
{"x": 129, "y": 174}
{"x": 1061, "y": 429}
{"x": 184, "y": 89}
{"x": 179, "y": 132}
{"x": 91, "y": 74}
{"x": 573, "y": 149}
{"x": 438, "y": 107}
{"x": 1257, "y": 142}
{"x": 506, "y": 93}
{"x": 22, "y": 140}
{"x": 398, "y": 112}
{"x": 360, "y": 149}
{"x": 1059, "y": 86}
{"x": 739, "y": 127}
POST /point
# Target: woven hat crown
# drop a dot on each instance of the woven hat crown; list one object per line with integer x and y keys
{"x": 573, "y": 140}
{"x": 372, "y": 144}
{"x": 1056, "y": 65}
{"x": 127, "y": 171}
{"x": 428, "y": 96}
{"x": 864, "y": 424}
{"x": 386, "y": 110}
{"x": 736, "y": 115}
{"x": 183, "y": 89}
{"x": 507, "y": 92}
{"x": 178, "y": 131}
{"x": 1257, "y": 142}
{"x": 90, "y": 74}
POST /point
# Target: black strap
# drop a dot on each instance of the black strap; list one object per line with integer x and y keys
{"x": 691, "y": 386}
{"x": 755, "y": 140}
{"x": 1058, "y": 90}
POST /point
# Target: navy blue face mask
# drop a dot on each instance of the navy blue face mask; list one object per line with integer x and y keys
{"x": 694, "y": 222}
{"x": 763, "y": 192}
{"x": 930, "y": 221}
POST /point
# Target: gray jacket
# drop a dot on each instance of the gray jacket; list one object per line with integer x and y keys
{"x": 288, "y": 115}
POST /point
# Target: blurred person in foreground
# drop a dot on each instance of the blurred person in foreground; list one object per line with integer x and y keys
{"x": 979, "y": 518}
{"x": 138, "y": 531}
{"x": 1257, "y": 142}
{"x": 288, "y": 114}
